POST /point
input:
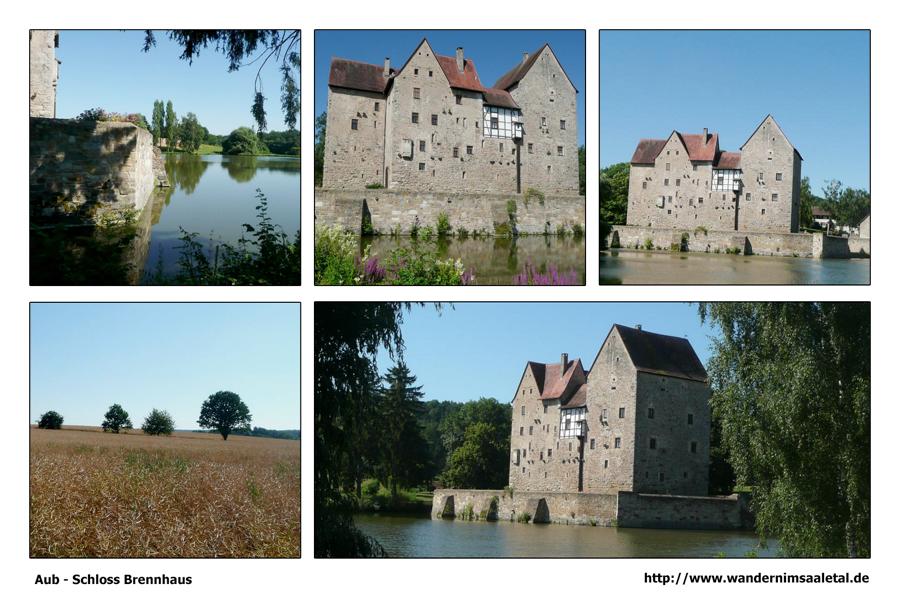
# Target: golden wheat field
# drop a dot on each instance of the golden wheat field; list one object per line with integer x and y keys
{"x": 96, "y": 494}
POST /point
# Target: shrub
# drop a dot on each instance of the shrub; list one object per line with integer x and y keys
{"x": 648, "y": 244}
{"x": 414, "y": 230}
{"x": 443, "y": 225}
{"x": 467, "y": 513}
{"x": 335, "y": 256}
{"x": 534, "y": 194}
{"x": 374, "y": 186}
{"x": 511, "y": 207}
{"x": 462, "y": 233}
{"x": 242, "y": 140}
{"x": 701, "y": 229}
{"x": 50, "y": 420}
{"x": 577, "y": 230}
{"x": 158, "y": 422}
{"x": 423, "y": 266}
{"x": 370, "y": 487}
{"x": 426, "y": 233}
{"x": 523, "y": 518}
{"x": 367, "y": 228}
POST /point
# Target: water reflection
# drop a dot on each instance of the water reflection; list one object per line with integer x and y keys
{"x": 497, "y": 260}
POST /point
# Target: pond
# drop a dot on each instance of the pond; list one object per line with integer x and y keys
{"x": 640, "y": 267}
{"x": 214, "y": 195}
{"x": 405, "y": 536}
{"x": 497, "y": 260}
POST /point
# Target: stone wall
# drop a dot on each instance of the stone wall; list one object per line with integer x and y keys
{"x": 82, "y": 169}
{"x": 43, "y": 73}
{"x": 749, "y": 242}
{"x": 622, "y": 509}
{"x": 682, "y": 512}
{"x": 767, "y": 203}
{"x": 354, "y": 157}
{"x": 392, "y": 210}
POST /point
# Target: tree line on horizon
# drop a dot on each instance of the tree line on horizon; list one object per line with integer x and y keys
{"x": 223, "y": 412}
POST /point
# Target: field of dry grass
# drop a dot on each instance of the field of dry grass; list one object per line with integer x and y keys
{"x": 96, "y": 494}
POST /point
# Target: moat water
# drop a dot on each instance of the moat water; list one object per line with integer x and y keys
{"x": 403, "y": 536}
{"x": 214, "y": 195}
{"x": 496, "y": 261}
{"x": 682, "y": 268}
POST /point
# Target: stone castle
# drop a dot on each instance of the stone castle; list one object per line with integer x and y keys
{"x": 638, "y": 420}
{"x": 686, "y": 182}
{"x": 43, "y": 72}
{"x": 432, "y": 126}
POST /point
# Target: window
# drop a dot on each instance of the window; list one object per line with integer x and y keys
{"x": 644, "y": 185}
{"x": 495, "y": 122}
{"x": 501, "y": 147}
{"x": 690, "y": 418}
{"x": 431, "y": 73}
{"x": 617, "y": 443}
{"x": 592, "y": 443}
{"x": 377, "y": 106}
{"x": 530, "y": 148}
{"x": 774, "y": 197}
{"x": 562, "y": 124}
{"x": 469, "y": 150}
{"x": 549, "y": 453}
{"x": 417, "y": 93}
{"x": 458, "y": 98}
{"x": 415, "y": 71}
{"x": 666, "y": 182}
{"x": 747, "y": 197}
{"x": 571, "y": 421}
{"x": 415, "y": 117}
{"x": 778, "y": 176}
{"x": 651, "y": 412}
{"x": 604, "y": 417}
{"x": 693, "y": 447}
{"x": 605, "y": 463}
{"x": 531, "y": 430}
{"x": 662, "y": 476}
{"x": 456, "y": 152}
{"x": 354, "y": 124}
{"x": 559, "y": 150}
{"x": 668, "y": 166}
{"x": 677, "y": 183}
{"x": 621, "y": 412}
{"x": 421, "y": 145}
{"x": 516, "y": 457}
{"x": 763, "y": 212}
{"x": 421, "y": 166}
{"x": 434, "y": 119}
{"x": 653, "y": 443}
{"x": 543, "y": 122}
{"x": 521, "y": 431}
{"x": 523, "y": 406}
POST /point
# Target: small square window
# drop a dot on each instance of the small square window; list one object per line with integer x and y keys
{"x": 531, "y": 430}
{"x": 592, "y": 443}
{"x": 421, "y": 145}
{"x": 417, "y": 93}
{"x": 651, "y": 412}
{"x": 666, "y": 182}
{"x": 354, "y": 124}
{"x": 469, "y": 150}
{"x": 530, "y": 148}
{"x": 523, "y": 406}
{"x": 644, "y": 185}
{"x": 562, "y": 124}
{"x": 653, "y": 443}
{"x": 693, "y": 447}
{"x": 495, "y": 122}
{"x": 747, "y": 197}
{"x": 456, "y": 152}
{"x": 549, "y": 453}
{"x": 543, "y": 122}
{"x": 415, "y": 117}
{"x": 421, "y": 166}
{"x": 458, "y": 99}
{"x": 617, "y": 443}
{"x": 521, "y": 431}
{"x": 677, "y": 183}
{"x": 778, "y": 176}
{"x": 434, "y": 119}
{"x": 559, "y": 150}
{"x": 377, "y": 106}
{"x": 690, "y": 419}
{"x": 621, "y": 412}
{"x": 668, "y": 166}
{"x": 415, "y": 71}
{"x": 774, "y": 197}
{"x": 431, "y": 73}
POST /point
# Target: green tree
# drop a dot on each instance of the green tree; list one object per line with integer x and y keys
{"x": 190, "y": 133}
{"x": 614, "y": 193}
{"x": 158, "y": 422}
{"x": 481, "y": 461}
{"x": 582, "y": 170}
{"x": 240, "y": 47}
{"x": 116, "y": 418}
{"x": 225, "y": 412}
{"x": 242, "y": 140}
{"x": 171, "y": 127}
{"x": 848, "y": 206}
{"x": 319, "y": 149}
{"x": 791, "y": 390}
{"x": 157, "y": 123}
{"x": 402, "y": 447}
{"x": 807, "y": 201}
{"x": 484, "y": 410}
{"x": 50, "y": 420}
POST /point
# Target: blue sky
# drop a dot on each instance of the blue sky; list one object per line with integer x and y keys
{"x": 815, "y": 84}
{"x": 494, "y": 53}
{"x": 85, "y": 357}
{"x": 471, "y": 350}
{"x": 108, "y": 69}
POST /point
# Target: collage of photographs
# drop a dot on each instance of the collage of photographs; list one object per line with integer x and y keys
{"x": 611, "y": 383}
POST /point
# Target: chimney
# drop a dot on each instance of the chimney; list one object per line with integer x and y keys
{"x": 460, "y": 65}
{"x": 524, "y": 56}
{"x": 638, "y": 327}
{"x": 705, "y": 134}
{"x": 387, "y": 67}
{"x": 564, "y": 360}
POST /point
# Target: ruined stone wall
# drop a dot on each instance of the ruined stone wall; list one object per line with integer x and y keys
{"x": 761, "y": 243}
{"x": 546, "y": 97}
{"x": 400, "y": 210}
{"x": 43, "y": 73}
{"x": 773, "y": 204}
{"x": 354, "y": 157}
{"x": 671, "y": 447}
{"x": 611, "y": 387}
{"x": 81, "y": 169}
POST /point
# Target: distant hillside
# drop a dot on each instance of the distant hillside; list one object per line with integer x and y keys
{"x": 280, "y": 434}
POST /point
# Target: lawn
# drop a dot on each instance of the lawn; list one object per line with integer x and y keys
{"x": 96, "y": 494}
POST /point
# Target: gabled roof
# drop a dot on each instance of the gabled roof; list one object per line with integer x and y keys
{"x": 661, "y": 354}
{"x": 355, "y": 75}
{"x": 579, "y": 398}
{"x": 729, "y": 160}
{"x": 553, "y": 385}
{"x": 518, "y": 72}
{"x": 779, "y": 129}
{"x": 467, "y": 80}
{"x": 700, "y": 148}
{"x": 647, "y": 151}
{"x": 501, "y": 98}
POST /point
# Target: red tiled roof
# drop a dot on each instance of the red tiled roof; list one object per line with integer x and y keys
{"x": 497, "y": 97}
{"x": 700, "y": 149}
{"x": 515, "y": 75}
{"x": 356, "y": 75}
{"x": 662, "y": 354}
{"x": 579, "y": 398}
{"x": 467, "y": 80}
{"x": 729, "y": 160}
{"x": 647, "y": 151}
{"x": 552, "y": 385}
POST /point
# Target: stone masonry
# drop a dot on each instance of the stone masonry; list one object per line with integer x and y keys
{"x": 636, "y": 421}
{"x": 433, "y": 126}
{"x": 43, "y": 72}
{"x": 685, "y": 181}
